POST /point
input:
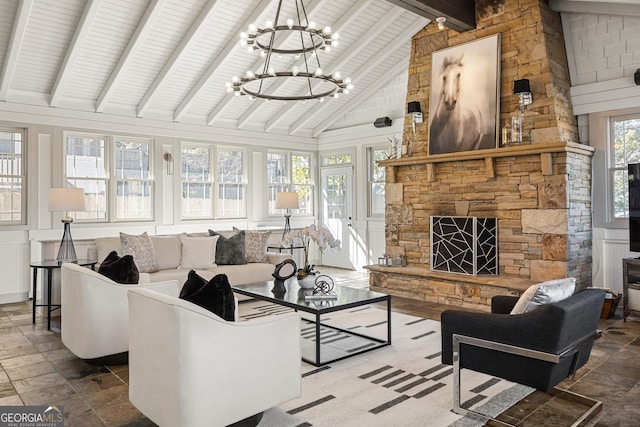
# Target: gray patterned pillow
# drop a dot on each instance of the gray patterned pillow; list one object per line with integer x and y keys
{"x": 142, "y": 250}
{"x": 255, "y": 245}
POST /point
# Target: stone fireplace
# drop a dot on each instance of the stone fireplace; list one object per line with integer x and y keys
{"x": 540, "y": 192}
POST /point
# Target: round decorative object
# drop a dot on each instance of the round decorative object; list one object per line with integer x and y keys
{"x": 283, "y": 271}
{"x": 323, "y": 284}
{"x": 306, "y": 283}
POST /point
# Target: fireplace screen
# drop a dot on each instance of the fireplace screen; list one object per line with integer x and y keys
{"x": 467, "y": 245}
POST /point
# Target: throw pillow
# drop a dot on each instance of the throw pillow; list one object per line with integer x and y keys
{"x": 198, "y": 252}
{"x": 544, "y": 293}
{"x": 255, "y": 245}
{"x": 141, "y": 248}
{"x": 215, "y": 295}
{"x": 168, "y": 251}
{"x": 229, "y": 251}
{"x": 120, "y": 269}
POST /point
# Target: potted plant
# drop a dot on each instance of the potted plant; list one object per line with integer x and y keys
{"x": 320, "y": 235}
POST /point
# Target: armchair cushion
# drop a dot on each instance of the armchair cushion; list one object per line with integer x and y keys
{"x": 544, "y": 293}
{"x": 120, "y": 269}
{"x": 215, "y": 295}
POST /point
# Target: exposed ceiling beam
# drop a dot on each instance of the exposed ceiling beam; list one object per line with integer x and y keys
{"x": 15, "y": 43}
{"x": 372, "y": 64}
{"x": 460, "y": 14}
{"x": 389, "y": 75}
{"x": 138, "y": 36}
{"x": 345, "y": 20}
{"x": 603, "y": 7}
{"x": 231, "y": 45}
{"x": 176, "y": 56}
{"x": 80, "y": 35}
{"x": 311, "y": 9}
{"x": 375, "y": 30}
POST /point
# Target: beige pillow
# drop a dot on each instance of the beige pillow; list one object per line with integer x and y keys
{"x": 198, "y": 252}
{"x": 255, "y": 245}
{"x": 141, "y": 248}
{"x": 105, "y": 245}
{"x": 544, "y": 293}
{"x": 168, "y": 251}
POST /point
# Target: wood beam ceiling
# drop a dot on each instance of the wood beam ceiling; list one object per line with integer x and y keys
{"x": 460, "y": 14}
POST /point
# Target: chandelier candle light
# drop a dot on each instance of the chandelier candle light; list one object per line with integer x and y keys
{"x": 311, "y": 38}
{"x": 66, "y": 200}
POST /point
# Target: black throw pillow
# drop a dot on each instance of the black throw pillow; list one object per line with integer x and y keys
{"x": 120, "y": 269}
{"x": 215, "y": 295}
{"x": 229, "y": 251}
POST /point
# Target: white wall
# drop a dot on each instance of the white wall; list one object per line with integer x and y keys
{"x": 603, "y": 52}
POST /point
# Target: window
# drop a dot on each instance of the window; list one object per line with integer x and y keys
{"x": 336, "y": 159}
{"x": 198, "y": 182}
{"x": 290, "y": 172}
{"x": 231, "y": 185}
{"x": 12, "y": 178}
{"x": 115, "y": 174}
{"x": 376, "y": 180}
{"x": 624, "y": 142}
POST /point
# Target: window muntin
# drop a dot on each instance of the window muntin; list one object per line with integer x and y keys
{"x": 12, "y": 176}
{"x": 123, "y": 193}
{"x": 376, "y": 180}
{"x": 290, "y": 172}
{"x": 624, "y": 139}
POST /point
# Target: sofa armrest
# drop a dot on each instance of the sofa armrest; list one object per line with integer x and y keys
{"x": 276, "y": 258}
{"x": 170, "y": 287}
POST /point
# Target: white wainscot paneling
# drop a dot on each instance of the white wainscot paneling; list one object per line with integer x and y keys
{"x": 610, "y": 246}
{"x": 14, "y": 264}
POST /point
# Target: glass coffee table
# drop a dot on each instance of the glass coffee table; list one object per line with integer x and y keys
{"x": 324, "y": 343}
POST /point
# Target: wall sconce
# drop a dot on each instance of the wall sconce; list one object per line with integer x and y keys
{"x": 523, "y": 90}
{"x": 414, "y": 110}
{"x": 169, "y": 159}
{"x": 441, "y": 20}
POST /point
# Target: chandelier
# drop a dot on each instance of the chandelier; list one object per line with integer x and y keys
{"x": 310, "y": 39}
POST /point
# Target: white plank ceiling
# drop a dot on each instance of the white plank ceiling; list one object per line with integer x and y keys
{"x": 169, "y": 59}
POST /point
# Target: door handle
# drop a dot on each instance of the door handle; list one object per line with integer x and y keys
{"x": 349, "y": 223}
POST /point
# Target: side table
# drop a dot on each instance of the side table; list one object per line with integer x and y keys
{"x": 50, "y": 266}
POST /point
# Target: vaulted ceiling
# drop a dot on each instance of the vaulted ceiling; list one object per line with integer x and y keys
{"x": 169, "y": 59}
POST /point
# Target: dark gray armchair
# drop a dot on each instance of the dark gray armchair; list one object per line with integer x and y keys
{"x": 538, "y": 349}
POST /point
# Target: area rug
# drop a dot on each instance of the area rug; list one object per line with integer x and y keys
{"x": 401, "y": 385}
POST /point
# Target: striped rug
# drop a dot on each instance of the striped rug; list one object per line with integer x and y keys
{"x": 402, "y": 385}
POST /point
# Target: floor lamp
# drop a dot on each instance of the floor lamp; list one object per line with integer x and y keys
{"x": 66, "y": 200}
{"x": 287, "y": 200}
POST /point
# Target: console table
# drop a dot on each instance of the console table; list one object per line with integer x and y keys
{"x": 49, "y": 266}
{"x": 630, "y": 287}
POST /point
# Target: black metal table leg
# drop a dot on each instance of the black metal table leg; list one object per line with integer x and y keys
{"x": 35, "y": 295}
{"x": 49, "y": 274}
{"x": 317, "y": 339}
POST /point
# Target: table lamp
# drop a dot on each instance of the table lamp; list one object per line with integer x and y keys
{"x": 287, "y": 200}
{"x": 66, "y": 200}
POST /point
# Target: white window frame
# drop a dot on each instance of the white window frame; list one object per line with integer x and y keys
{"x": 370, "y": 181}
{"x": 288, "y": 184}
{"x": 215, "y": 207}
{"x": 612, "y": 168}
{"x": 21, "y": 177}
{"x": 110, "y": 178}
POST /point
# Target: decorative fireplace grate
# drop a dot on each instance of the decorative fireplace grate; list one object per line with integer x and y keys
{"x": 466, "y": 245}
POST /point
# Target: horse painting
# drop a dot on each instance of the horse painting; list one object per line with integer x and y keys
{"x": 459, "y": 86}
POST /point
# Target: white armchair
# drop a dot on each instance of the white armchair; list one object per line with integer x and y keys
{"x": 188, "y": 367}
{"x": 95, "y": 312}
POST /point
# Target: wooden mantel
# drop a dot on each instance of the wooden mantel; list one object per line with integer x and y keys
{"x": 544, "y": 150}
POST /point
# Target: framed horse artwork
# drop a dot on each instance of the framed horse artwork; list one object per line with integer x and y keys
{"x": 465, "y": 96}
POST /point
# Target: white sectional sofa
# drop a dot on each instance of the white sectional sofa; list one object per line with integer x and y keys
{"x": 168, "y": 253}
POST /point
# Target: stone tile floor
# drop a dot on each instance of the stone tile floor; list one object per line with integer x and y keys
{"x": 36, "y": 369}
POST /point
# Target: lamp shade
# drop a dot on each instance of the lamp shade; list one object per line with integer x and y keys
{"x": 66, "y": 199}
{"x": 521, "y": 86}
{"x": 414, "y": 107}
{"x": 287, "y": 200}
